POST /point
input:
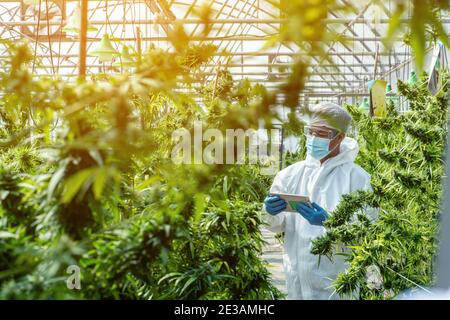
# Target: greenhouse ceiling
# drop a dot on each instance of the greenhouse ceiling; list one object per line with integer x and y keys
{"x": 240, "y": 30}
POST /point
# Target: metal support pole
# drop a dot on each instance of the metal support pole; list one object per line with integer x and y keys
{"x": 83, "y": 38}
{"x": 139, "y": 46}
{"x": 443, "y": 258}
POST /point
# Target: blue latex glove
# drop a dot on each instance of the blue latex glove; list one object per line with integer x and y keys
{"x": 274, "y": 204}
{"x": 315, "y": 215}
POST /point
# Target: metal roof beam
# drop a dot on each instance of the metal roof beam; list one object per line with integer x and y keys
{"x": 262, "y": 65}
{"x": 162, "y": 8}
{"x": 354, "y": 38}
{"x": 252, "y": 54}
{"x": 232, "y": 21}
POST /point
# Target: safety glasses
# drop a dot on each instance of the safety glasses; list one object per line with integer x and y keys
{"x": 320, "y": 132}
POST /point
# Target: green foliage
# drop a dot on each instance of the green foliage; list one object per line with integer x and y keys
{"x": 404, "y": 154}
{"x": 425, "y": 25}
{"x": 304, "y": 25}
{"x": 99, "y": 190}
{"x": 86, "y": 177}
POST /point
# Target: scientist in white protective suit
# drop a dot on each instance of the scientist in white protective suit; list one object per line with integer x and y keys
{"x": 327, "y": 173}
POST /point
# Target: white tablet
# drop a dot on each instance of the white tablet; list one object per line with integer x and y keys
{"x": 292, "y": 200}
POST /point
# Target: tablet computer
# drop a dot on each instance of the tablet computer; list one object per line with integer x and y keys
{"x": 292, "y": 200}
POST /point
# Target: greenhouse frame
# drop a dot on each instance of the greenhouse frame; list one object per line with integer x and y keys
{"x": 242, "y": 29}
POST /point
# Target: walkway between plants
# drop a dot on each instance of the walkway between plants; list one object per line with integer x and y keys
{"x": 273, "y": 254}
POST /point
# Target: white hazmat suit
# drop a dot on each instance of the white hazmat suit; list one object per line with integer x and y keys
{"x": 324, "y": 184}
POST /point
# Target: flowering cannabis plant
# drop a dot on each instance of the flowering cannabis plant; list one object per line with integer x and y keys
{"x": 404, "y": 154}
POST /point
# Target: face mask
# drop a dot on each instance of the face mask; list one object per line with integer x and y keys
{"x": 316, "y": 147}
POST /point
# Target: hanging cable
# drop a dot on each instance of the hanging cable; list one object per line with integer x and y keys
{"x": 354, "y": 63}
{"x": 48, "y": 35}
{"x": 63, "y": 12}
{"x": 108, "y": 24}
{"x": 133, "y": 18}
{"x": 36, "y": 38}
{"x": 362, "y": 88}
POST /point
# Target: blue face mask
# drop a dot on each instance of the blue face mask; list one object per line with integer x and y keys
{"x": 316, "y": 147}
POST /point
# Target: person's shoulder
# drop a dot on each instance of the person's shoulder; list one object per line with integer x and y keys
{"x": 359, "y": 172}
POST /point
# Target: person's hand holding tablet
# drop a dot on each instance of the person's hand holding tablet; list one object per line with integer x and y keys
{"x": 274, "y": 204}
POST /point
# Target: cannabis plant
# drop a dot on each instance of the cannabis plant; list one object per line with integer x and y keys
{"x": 404, "y": 154}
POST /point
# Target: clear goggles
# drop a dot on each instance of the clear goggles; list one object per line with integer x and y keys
{"x": 320, "y": 132}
